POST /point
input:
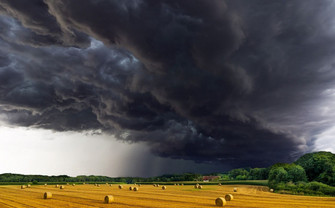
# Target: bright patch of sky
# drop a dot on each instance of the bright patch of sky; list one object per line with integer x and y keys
{"x": 44, "y": 152}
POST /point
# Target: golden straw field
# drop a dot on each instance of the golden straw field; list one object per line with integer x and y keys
{"x": 149, "y": 196}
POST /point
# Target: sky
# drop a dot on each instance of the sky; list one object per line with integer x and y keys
{"x": 151, "y": 87}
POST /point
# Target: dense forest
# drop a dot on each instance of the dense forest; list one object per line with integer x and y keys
{"x": 313, "y": 174}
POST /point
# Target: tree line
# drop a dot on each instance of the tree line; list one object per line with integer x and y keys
{"x": 312, "y": 174}
{"x": 9, "y": 177}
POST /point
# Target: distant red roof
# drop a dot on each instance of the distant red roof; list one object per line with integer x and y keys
{"x": 209, "y": 178}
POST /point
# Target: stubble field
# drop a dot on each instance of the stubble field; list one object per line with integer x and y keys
{"x": 154, "y": 197}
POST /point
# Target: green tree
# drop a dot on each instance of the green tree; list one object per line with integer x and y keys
{"x": 296, "y": 173}
{"x": 225, "y": 177}
{"x": 316, "y": 164}
{"x": 277, "y": 175}
{"x": 327, "y": 177}
{"x": 258, "y": 174}
{"x": 239, "y": 174}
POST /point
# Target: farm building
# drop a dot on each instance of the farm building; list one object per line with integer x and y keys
{"x": 210, "y": 178}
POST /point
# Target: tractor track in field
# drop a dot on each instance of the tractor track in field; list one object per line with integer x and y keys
{"x": 6, "y": 205}
{"x": 17, "y": 194}
{"x": 17, "y": 202}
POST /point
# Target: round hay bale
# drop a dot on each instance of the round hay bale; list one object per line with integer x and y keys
{"x": 57, "y": 186}
{"x": 196, "y": 186}
{"x": 157, "y": 185}
{"x": 182, "y": 184}
{"x": 120, "y": 186}
{"x": 23, "y": 186}
{"x": 110, "y": 184}
{"x": 135, "y": 189}
{"x": 73, "y": 184}
{"x": 47, "y": 195}
{"x": 67, "y": 184}
{"x": 175, "y": 184}
{"x": 109, "y": 199}
{"x": 98, "y": 185}
{"x": 200, "y": 187}
{"x": 271, "y": 190}
{"x": 45, "y": 184}
{"x": 95, "y": 184}
{"x": 163, "y": 187}
{"x": 83, "y": 183}
{"x": 235, "y": 189}
{"x": 220, "y": 202}
{"x": 130, "y": 188}
{"x": 28, "y": 186}
{"x": 228, "y": 197}
{"x": 106, "y": 183}
{"x": 62, "y": 187}
{"x": 219, "y": 184}
{"x": 139, "y": 185}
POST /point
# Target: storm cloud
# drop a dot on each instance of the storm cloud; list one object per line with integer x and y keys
{"x": 229, "y": 82}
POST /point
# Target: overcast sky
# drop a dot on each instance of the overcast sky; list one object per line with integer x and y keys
{"x": 147, "y": 87}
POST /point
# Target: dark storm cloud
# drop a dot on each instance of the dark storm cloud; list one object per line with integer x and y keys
{"x": 41, "y": 27}
{"x": 234, "y": 82}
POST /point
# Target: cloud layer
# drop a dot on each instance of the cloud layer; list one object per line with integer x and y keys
{"x": 231, "y": 82}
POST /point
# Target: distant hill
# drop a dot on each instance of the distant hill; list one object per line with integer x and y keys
{"x": 311, "y": 174}
{"x": 322, "y": 154}
{"x": 317, "y": 164}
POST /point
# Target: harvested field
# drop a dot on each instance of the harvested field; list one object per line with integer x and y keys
{"x": 152, "y": 197}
